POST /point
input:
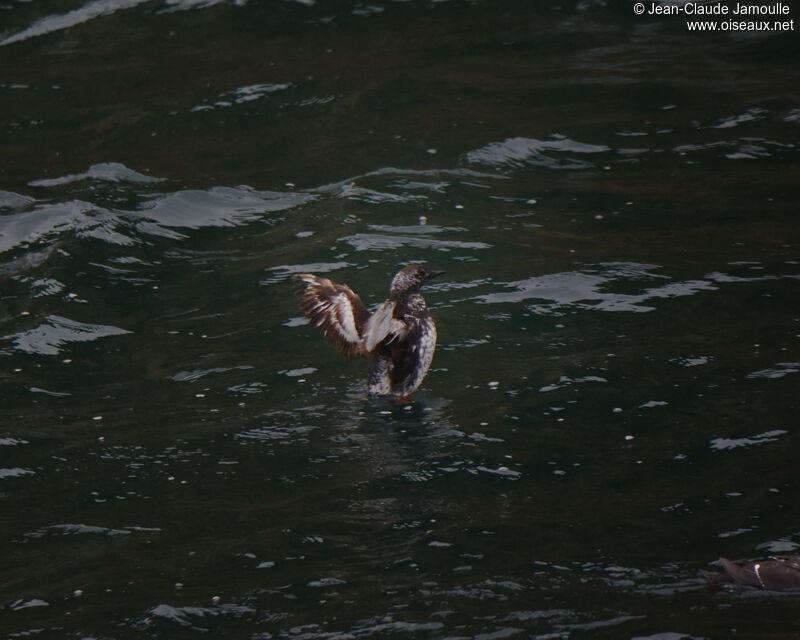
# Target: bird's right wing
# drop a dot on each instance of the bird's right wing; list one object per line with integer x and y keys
{"x": 336, "y": 310}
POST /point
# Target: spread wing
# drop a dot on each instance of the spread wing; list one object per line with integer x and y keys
{"x": 382, "y": 325}
{"x": 336, "y": 310}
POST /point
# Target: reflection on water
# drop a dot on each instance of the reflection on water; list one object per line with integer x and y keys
{"x": 181, "y": 453}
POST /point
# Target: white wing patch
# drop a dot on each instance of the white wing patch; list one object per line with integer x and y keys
{"x": 381, "y": 325}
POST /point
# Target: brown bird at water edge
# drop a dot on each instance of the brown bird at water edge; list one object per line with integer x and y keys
{"x": 399, "y": 335}
{"x": 778, "y": 573}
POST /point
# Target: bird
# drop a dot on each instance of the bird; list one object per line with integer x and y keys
{"x": 400, "y": 334}
{"x": 778, "y": 573}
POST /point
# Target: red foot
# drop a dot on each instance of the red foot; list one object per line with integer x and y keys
{"x": 405, "y": 399}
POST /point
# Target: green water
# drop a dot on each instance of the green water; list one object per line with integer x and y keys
{"x": 613, "y": 402}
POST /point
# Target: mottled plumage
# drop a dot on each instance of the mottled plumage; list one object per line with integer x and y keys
{"x": 399, "y": 334}
{"x": 778, "y": 573}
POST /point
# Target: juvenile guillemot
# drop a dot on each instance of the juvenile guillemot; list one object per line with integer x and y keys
{"x": 779, "y": 573}
{"x": 399, "y": 334}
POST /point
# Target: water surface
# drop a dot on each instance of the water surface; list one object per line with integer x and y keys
{"x": 613, "y": 402}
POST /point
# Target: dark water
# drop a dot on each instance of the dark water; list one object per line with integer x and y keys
{"x": 613, "y": 404}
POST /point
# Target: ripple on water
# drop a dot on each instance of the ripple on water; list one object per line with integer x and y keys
{"x": 736, "y": 149}
{"x": 14, "y": 201}
{"x": 57, "y": 22}
{"x": 425, "y": 179}
{"x": 196, "y": 618}
{"x": 587, "y": 289}
{"x": 105, "y": 171}
{"x": 88, "y": 216}
{"x": 692, "y": 360}
{"x": 196, "y": 374}
{"x": 92, "y": 10}
{"x": 241, "y": 95}
{"x": 86, "y": 529}
{"x": 50, "y": 336}
{"x": 779, "y": 546}
{"x": 215, "y": 207}
{"x": 382, "y": 626}
{"x": 297, "y": 373}
{"x": 283, "y": 427}
{"x": 286, "y": 271}
{"x": 15, "y": 472}
{"x": 373, "y": 196}
{"x": 248, "y": 388}
{"x": 728, "y": 122}
{"x": 722, "y": 444}
{"x": 45, "y": 222}
{"x": 780, "y": 370}
{"x": 566, "y": 381}
{"x": 557, "y": 153}
{"x": 383, "y": 241}
{"x": 21, "y": 604}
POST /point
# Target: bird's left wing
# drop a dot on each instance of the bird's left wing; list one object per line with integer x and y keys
{"x": 336, "y": 310}
{"x": 382, "y": 325}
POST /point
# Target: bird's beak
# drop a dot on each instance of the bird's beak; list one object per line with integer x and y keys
{"x": 434, "y": 274}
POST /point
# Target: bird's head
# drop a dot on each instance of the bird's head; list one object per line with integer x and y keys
{"x": 410, "y": 278}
